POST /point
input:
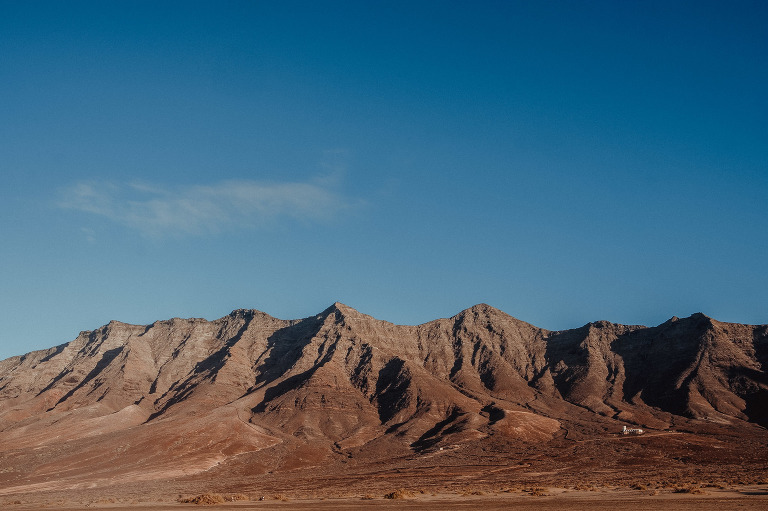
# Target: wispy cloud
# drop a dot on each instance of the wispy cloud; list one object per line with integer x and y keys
{"x": 157, "y": 210}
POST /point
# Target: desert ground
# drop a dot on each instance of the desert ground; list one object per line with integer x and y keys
{"x": 746, "y": 497}
{"x": 658, "y": 471}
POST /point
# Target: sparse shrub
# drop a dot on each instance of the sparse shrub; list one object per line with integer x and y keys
{"x": 399, "y": 494}
{"x": 236, "y": 497}
{"x": 280, "y": 496}
{"x": 205, "y": 499}
{"x": 638, "y": 486}
{"x": 367, "y": 496}
{"x": 688, "y": 489}
{"x": 537, "y": 492}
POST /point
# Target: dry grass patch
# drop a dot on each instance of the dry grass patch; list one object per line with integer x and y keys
{"x": 688, "y": 488}
{"x": 204, "y": 499}
{"x": 211, "y": 499}
{"x": 399, "y": 494}
{"x": 235, "y": 497}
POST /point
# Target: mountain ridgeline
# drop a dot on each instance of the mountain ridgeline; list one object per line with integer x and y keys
{"x": 330, "y": 374}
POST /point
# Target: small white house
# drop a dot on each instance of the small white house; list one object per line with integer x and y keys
{"x": 631, "y": 431}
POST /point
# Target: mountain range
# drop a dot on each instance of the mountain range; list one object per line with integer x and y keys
{"x": 249, "y": 392}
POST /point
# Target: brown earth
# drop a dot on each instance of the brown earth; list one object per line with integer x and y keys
{"x": 554, "y": 500}
{"x": 341, "y": 405}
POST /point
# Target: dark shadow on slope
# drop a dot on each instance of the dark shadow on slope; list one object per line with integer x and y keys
{"x": 92, "y": 338}
{"x": 760, "y": 342}
{"x": 292, "y": 383}
{"x": 495, "y": 414}
{"x": 757, "y": 407}
{"x": 655, "y": 358}
{"x": 752, "y": 386}
{"x": 56, "y": 379}
{"x": 58, "y": 349}
{"x": 360, "y": 377}
{"x": 433, "y": 435}
{"x": 206, "y": 369}
{"x": 757, "y": 401}
{"x": 285, "y": 348}
{"x": 567, "y": 359}
{"x": 458, "y": 344}
{"x": 105, "y": 360}
{"x": 392, "y": 389}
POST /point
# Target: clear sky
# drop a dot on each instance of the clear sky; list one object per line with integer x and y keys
{"x": 564, "y": 161}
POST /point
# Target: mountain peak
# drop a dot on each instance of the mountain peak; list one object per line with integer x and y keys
{"x": 340, "y": 310}
{"x": 482, "y": 309}
{"x": 248, "y": 313}
{"x": 600, "y": 324}
{"x": 699, "y": 318}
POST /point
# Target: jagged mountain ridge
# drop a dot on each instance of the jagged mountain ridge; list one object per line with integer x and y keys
{"x": 344, "y": 380}
{"x": 695, "y": 366}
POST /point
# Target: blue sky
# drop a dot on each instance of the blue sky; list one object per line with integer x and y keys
{"x": 563, "y": 161}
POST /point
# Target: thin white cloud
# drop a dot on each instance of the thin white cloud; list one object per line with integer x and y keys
{"x": 202, "y": 209}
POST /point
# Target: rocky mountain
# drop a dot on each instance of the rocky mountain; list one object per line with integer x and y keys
{"x": 181, "y": 396}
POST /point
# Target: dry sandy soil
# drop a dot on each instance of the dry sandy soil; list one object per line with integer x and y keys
{"x": 743, "y": 498}
{"x": 669, "y": 471}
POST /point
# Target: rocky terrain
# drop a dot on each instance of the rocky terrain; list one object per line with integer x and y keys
{"x": 340, "y": 403}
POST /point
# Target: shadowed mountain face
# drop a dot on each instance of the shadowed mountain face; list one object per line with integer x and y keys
{"x": 138, "y": 399}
